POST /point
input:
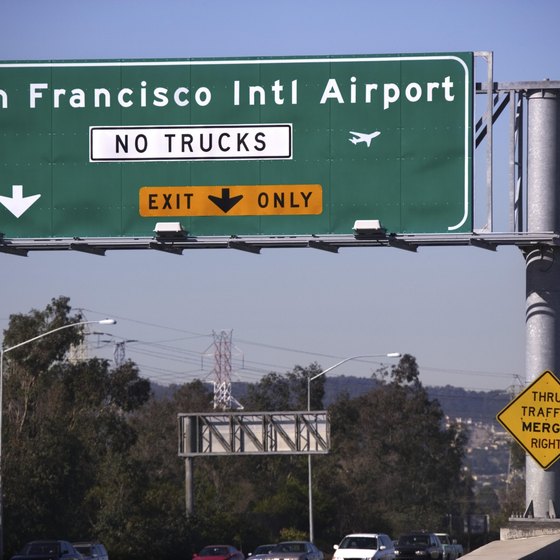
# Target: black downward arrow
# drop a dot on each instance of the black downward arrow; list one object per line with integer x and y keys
{"x": 226, "y": 202}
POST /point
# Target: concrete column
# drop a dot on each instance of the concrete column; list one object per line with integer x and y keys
{"x": 543, "y": 274}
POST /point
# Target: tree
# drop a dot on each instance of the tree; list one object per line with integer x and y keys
{"x": 279, "y": 497}
{"x": 63, "y": 422}
{"x": 394, "y": 459}
{"x": 167, "y": 528}
{"x": 287, "y": 392}
{"x": 89, "y": 452}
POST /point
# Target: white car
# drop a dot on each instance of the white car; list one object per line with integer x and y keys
{"x": 365, "y": 546}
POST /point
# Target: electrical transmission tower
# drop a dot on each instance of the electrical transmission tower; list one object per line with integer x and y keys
{"x": 223, "y": 398}
{"x": 80, "y": 352}
{"x": 119, "y": 353}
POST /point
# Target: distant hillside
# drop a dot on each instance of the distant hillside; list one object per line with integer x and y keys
{"x": 480, "y": 406}
{"x": 456, "y": 402}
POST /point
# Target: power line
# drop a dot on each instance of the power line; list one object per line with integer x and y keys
{"x": 248, "y": 369}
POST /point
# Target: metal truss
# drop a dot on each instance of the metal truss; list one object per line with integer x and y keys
{"x": 256, "y": 433}
{"x": 331, "y": 243}
{"x": 500, "y": 95}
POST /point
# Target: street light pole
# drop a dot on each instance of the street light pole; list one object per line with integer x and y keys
{"x": 309, "y": 380}
{"x": 2, "y": 352}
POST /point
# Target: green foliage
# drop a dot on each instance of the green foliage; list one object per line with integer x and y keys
{"x": 287, "y": 392}
{"x": 64, "y": 423}
{"x": 291, "y": 534}
{"x": 393, "y": 461}
{"x": 89, "y": 454}
{"x": 517, "y": 456}
{"x": 43, "y": 353}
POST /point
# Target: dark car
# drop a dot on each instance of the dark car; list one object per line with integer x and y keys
{"x": 48, "y": 550}
{"x": 419, "y": 545}
{"x": 295, "y": 550}
{"x": 91, "y": 550}
{"x": 219, "y": 552}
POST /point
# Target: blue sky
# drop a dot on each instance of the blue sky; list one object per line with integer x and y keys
{"x": 459, "y": 311}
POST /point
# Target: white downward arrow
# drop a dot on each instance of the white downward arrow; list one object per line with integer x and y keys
{"x": 17, "y": 204}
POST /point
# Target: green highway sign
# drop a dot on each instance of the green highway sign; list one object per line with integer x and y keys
{"x": 259, "y": 146}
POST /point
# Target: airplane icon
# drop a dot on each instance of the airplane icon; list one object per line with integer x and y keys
{"x": 363, "y": 137}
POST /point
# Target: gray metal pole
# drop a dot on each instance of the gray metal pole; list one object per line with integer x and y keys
{"x": 309, "y": 470}
{"x": 542, "y": 275}
{"x": 189, "y": 438}
{"x": 189, "y": 489}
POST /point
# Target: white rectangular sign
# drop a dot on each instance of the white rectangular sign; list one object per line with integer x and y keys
{"x": 260, "y": 433}
{"x": 205, "y": 142}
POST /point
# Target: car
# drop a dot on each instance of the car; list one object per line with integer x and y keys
{"x": 451, "y": 548}
{"x": 295, "y": 550}
{"x": 48, "y": 550}
{"x": 365, "y": 546}
{"x": 419, "y": 545}
{"x": 91, "y": 550}
{"x": 219, "y": 552}
{"x": 261, "y": 551}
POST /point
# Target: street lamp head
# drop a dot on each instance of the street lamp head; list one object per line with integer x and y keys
{"x": 394, "y": 355}
{"x": 107, "y": 322}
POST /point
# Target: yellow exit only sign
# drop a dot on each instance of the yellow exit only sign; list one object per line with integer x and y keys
{"x": 533, "y": 419}
{"x": 233, "y": 200}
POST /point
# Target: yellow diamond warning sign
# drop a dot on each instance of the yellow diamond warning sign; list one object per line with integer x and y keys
{"x": 533, "y": 419}
{"x": 232, "y": 200}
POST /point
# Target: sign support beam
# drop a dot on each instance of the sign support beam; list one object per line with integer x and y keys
{"x": 543, "y": 275}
